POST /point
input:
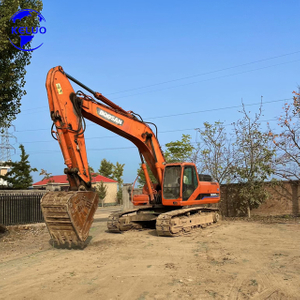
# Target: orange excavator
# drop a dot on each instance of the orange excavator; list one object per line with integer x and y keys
{"x": 177, "y": 203}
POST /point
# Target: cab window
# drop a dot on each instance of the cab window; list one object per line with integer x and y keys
{"x": 171, "y": 186}
{"x": 189, "y": 183}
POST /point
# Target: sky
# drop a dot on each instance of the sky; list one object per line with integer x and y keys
{"x": 175, "y": 63}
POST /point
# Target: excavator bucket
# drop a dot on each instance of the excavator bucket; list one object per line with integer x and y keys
{"x": 69, "y": 215}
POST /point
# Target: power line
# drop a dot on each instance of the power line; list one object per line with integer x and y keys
{"x": 117, "y": 136}
{"x": 223, "y": 76}
{"x": 191, "y": 76}
{"x": 206, "y": 73}
{"x": 180, "y": 114}
{"x": 216, "y": 109}
{"x": 100, "y": 149}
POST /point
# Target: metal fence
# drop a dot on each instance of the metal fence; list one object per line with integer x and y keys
{"x": 20, "y": 208}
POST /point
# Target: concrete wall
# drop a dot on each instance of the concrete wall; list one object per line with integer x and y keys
{"x": 126, "y": 194}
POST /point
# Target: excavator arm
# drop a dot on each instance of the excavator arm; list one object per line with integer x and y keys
{"x": 68, "y": 110}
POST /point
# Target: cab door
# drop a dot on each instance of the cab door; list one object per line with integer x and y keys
{"x": 189, "y": 181}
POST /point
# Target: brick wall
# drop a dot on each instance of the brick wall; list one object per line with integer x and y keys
{"x": 283, "y": 199}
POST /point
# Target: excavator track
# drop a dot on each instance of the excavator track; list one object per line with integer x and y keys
{"x": 115, "y": 223}
{"x": 184, "y": 221}
{"x": 173, "y": 223}
{"x": 131, "y": 219}
{"x": 69, "y": 215}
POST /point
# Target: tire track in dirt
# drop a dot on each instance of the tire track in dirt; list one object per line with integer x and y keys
{"x": 262, "y": 282}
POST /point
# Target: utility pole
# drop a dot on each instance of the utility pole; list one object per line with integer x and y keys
{"x": 5, "y": 152}
{"x": 5, "y": 146}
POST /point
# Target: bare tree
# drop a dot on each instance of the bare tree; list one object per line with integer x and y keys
{"x": 287, "y": 143}
{"x": 217, "y": 154}
{"x": 253, "y": 164}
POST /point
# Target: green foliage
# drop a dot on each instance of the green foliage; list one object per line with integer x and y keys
{"x": 19, "y": 174}
{"x": 106, "y": 168}
{"x": 253, "y": 160}
{"x": 46, "y": 175}
{"x": 118, "y": 170}
{"x": 117, "y": 175}
{"x": 141, "y": 176}
{"x": 13, "y": 61}
{"x": 115, "y": 172}
{"x": 91, "y": 169}
{"x": 120, "y": 194}
{"x": 179, "y": 151}
{"x": 101, "y": 190}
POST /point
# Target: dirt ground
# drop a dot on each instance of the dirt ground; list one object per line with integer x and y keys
{"x": 229, "y": 260}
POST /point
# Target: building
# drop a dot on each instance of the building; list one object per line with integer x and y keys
{"x": 61, "y": 183}
{"x": 3, "y": 170}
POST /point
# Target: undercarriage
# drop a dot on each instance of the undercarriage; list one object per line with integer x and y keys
{"x": 167, "y": 221}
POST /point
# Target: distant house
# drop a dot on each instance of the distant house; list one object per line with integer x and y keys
{"x": 3, "y": 170}
{"x": 60, "y": 183}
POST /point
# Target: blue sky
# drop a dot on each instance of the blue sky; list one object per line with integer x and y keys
{"x": 160, "y": 58}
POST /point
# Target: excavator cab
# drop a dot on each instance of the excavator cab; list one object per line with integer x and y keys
{"x": 183, "y": 186}
{"x": 180, "y": 181}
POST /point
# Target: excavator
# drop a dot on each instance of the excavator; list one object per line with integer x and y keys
{"x": 178, "y": 203}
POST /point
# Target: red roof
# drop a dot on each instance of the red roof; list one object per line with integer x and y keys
{"x": 63, "y": 179}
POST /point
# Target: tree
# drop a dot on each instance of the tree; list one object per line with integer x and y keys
{"x": 101, "y": 190}
{"x": 19, "y": 174}
{"x": 91, "y": 169}
{"x": 13, "y": 61}
{"x": 115, "y": 172}
{"x": 118, "y": 170}
{"x": 287, "y": 143}
{"x": 106, "y": 168}
{"x": 216, "y": 155}
{"x": 253, "y": 160}
{"x": 46, "y": 175}
{"x": 141, "y": 176}
{"x": 179, "y": 151}
{"x": 92, "y": 172}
